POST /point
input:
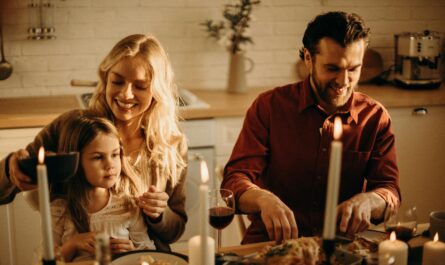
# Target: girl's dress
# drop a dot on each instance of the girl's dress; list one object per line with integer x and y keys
{"x": 121, "y": 218}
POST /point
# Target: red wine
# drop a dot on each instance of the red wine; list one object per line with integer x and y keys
{"x": 221, "y": 217}
{"x": 402, "y": 232}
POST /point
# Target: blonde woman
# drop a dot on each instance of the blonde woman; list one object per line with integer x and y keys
{"x": 137, "y": 93}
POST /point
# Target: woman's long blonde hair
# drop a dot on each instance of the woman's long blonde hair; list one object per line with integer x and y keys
{"x": 79, "y": 132}
{"x": 164, "y": 140}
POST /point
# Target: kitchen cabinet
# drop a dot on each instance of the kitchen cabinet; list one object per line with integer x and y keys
{"x": 19, "y": 224}
{"x": 227, "y": 131}
{"x": 420, "y": 141}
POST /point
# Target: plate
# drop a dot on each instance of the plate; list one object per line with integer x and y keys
{"x": 133, "y": 257}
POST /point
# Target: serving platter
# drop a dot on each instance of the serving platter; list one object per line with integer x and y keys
{"x": 134, "y": 257}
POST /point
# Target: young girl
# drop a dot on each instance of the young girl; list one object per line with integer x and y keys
{"x": 99, "y": 198}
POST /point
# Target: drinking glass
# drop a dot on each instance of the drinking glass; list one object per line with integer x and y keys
{"x": 221, "y": 210}
{"x": 403, "y": 223}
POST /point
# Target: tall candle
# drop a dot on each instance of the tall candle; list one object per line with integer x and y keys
{"x": 202, "y": 247}
{"x": 395, "y": 248}
{"x": 45, "y": 212}
{"x": 204, "y": 208}
{"x": 330, "y": 217}
{"x": 434, "y": 252}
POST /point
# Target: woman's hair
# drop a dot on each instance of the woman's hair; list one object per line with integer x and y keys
{"x": 342, "y": 27}
{"x": 163, "y": 140}
{"x": 79, "y": 132}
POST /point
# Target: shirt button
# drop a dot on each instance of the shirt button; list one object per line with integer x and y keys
{"x": 318, "y": 177}
{"x": 324, "y": 149}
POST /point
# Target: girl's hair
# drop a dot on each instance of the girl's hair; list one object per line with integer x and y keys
{"x": 163, "y": 138}
{"x": 75, "y": 136}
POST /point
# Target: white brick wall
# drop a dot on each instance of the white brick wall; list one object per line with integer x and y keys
{"x": 87, "y": 29}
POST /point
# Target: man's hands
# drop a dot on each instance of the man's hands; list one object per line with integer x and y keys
{"x": 17, "y": 177}
{"x": 355, "y": 214}
{"x": 277, "y": 217}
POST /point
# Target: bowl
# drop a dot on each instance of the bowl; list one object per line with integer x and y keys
{"x": 60, "y": 166}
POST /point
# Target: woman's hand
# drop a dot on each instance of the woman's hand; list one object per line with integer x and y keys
{"x": 121, "y": 245}
{"x": 16, "y": 176}
{"x": 153, "y": 202}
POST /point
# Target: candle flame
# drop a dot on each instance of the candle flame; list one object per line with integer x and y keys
{"x": 41, "y": 155}
{"x": 204, "y": 172}
{"x": 337, "y": 128}
{"x": 436, "y": 237}
{"x": 392, "y": 237}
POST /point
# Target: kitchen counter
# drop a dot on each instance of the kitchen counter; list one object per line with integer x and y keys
{"x": 38, "y": 111}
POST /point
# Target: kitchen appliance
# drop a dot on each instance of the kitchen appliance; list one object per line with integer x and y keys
{"x": 417, "y": 59}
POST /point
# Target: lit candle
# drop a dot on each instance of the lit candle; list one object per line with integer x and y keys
{"x": 330, "y": 217}
{"x": 45, "y": 212}
{"x": 434, "y": 252}
{"x": 202, "y": 248}
{"x": 395, "y": 248}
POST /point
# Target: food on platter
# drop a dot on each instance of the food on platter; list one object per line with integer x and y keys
{"x": 301, "y": 251}
{"x": 148, "y": 259}
{"x": 305, "y": 250}
{"x": 363, "y": 246}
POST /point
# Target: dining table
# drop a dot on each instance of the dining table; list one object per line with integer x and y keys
{"x": 415, "y": 247}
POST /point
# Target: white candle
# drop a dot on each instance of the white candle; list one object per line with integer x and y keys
{"x": 45, "y": 212}
{"x": 394, "y": 248}
{"x": 202, "y": 247}
{"x": 204, "y": 208}
{"x": 434, "y": 252}
{"x": 195, "y": 254}
{"x": 330, "y": 217}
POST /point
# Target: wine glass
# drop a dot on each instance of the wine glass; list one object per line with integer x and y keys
{"x": 221, "y": 210}
{"x": 403, "y": 223}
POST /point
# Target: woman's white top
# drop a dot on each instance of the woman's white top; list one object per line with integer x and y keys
{"x": 121, "y": 218}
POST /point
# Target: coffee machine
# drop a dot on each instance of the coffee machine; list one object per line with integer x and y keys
{"x": 417, "y": 59}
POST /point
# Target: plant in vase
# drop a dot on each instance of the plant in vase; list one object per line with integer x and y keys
{"x": 233, "y": 35}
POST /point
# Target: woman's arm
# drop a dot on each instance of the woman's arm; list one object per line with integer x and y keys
{"x": 12, "y": 180}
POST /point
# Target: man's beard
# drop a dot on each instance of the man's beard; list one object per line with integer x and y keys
{"x": 323, "y": 91}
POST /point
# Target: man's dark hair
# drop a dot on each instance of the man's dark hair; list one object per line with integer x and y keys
{"x": 342, "y": 27}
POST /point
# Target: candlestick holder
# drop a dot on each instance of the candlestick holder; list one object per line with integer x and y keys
{"x": 329, "y": 249}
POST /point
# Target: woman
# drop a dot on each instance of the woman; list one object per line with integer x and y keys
{"x": 136, "y": 91}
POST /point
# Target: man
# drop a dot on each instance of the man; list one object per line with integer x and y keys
{"x": 278, "y": 168}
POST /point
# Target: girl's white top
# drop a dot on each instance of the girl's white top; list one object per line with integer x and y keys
{"x": 120, "y": 218}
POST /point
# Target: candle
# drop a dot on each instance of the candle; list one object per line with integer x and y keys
{"x": 45, "y": 212}
{"x": 204, "y": 208}
{"x": 395, "y": 248}
{"x": 434, "y": 252}
{"x": 195, "y": 253}
{"x": 330, "y": 217}
{"x": 202, "y": 247}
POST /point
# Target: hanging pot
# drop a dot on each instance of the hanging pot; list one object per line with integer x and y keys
{"x": 5, "y": 66}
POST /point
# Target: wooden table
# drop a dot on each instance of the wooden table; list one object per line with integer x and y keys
{"x": 415, "y": 244}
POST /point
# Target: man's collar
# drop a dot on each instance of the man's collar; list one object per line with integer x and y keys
{"x": 308, "y": 96}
